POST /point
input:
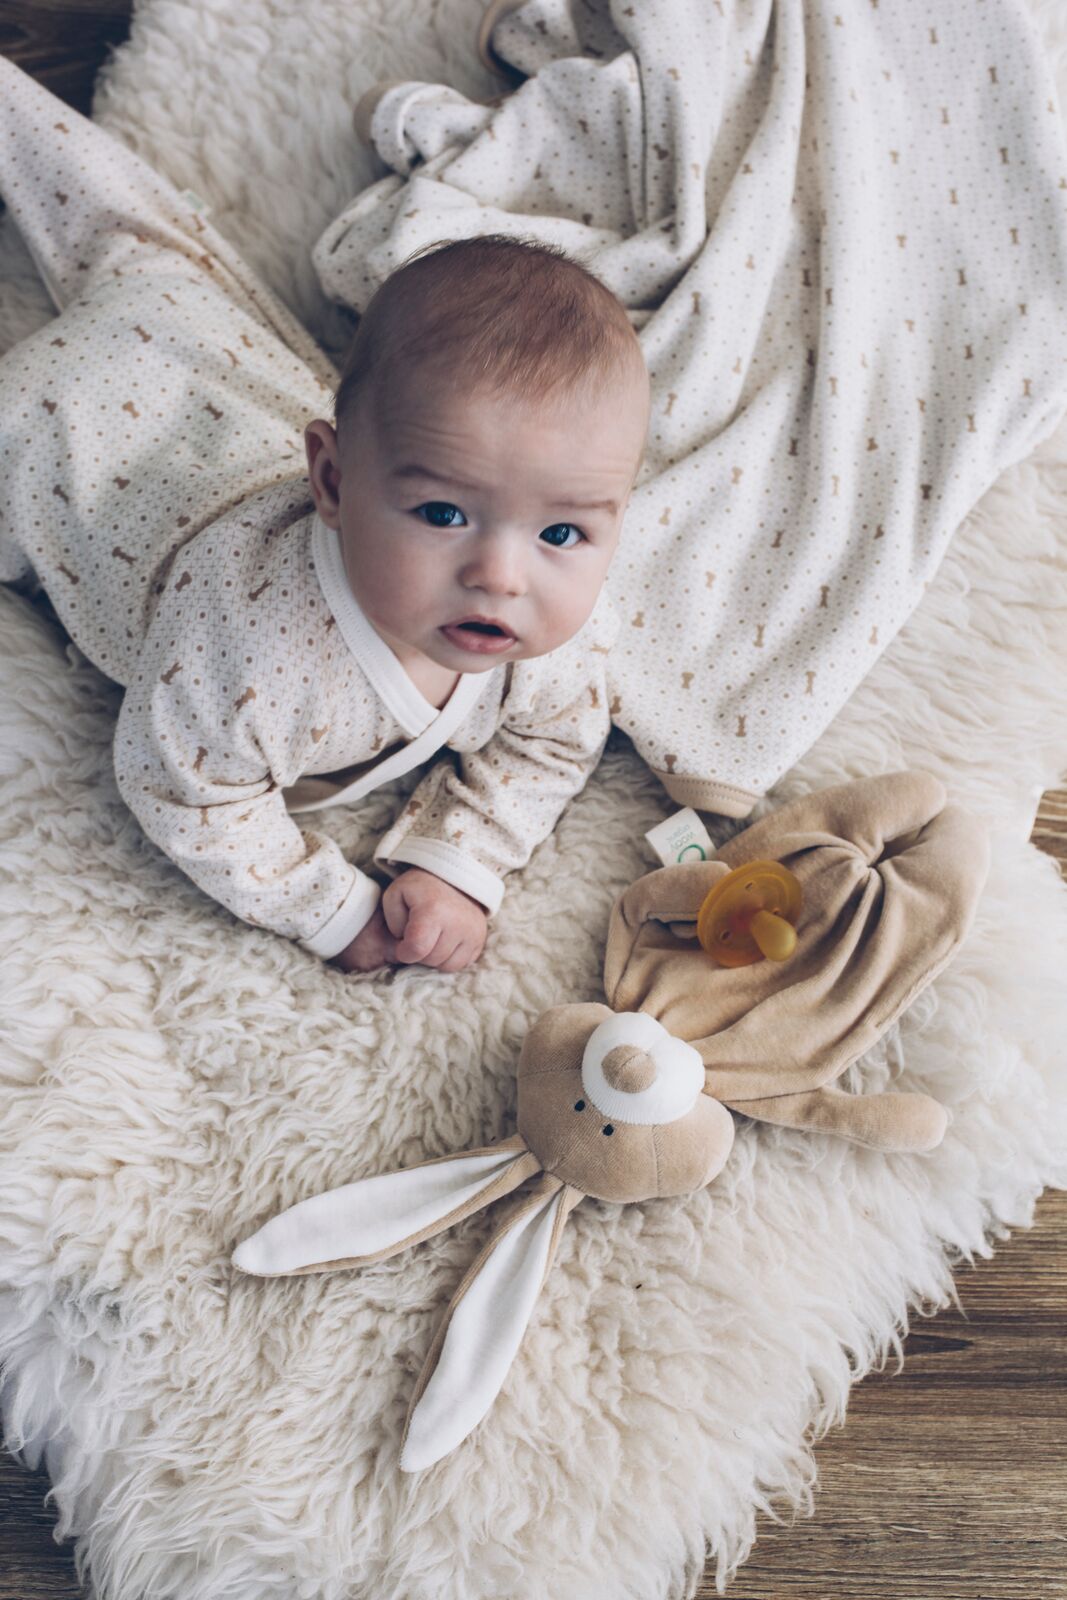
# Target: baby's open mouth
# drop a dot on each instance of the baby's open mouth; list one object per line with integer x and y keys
{"x": 479, "y": 634}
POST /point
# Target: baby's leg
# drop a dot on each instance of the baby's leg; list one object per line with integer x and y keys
{"x": 87, "y": 206}
{"x": 71, "y": 187}
{"x": 171, "y": 387}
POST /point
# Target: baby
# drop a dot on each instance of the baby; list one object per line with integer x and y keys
{"x": 290, "y": 641}
{"x": 489, "y": 427}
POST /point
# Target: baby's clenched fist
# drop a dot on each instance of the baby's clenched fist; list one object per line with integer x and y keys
{"x": 419, "y": 918}
{"x": 373, "y": 946}
{"x": 432, "y": 922}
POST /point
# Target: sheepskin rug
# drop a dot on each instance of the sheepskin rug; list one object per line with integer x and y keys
{"x": 171, "y": 1078}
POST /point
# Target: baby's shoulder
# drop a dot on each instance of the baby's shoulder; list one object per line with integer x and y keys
{"x": 242, "y": 603}
{"x": 545, "y": 686}
{"x": 245, "y": 641}
{"x": 248, "y": 581}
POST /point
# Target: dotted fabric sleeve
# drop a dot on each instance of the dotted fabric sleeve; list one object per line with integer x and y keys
{"x": 228, "y": 705}
{"x": 841, "y": 233}
{"x": 474, "y": 823}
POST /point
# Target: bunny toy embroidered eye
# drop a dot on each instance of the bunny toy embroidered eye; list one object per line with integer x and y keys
{"x": 632, "y": 1100}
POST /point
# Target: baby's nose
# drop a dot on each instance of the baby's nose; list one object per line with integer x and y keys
{"x": 498, "y": 566}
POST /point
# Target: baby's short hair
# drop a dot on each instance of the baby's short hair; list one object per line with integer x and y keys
{"x": 510, "y": 314}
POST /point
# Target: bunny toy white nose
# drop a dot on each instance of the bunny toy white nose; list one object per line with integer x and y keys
{"x": 628, "y": 1069}
{"x": 634, "y": 1071}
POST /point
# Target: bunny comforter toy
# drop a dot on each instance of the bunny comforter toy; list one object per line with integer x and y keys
{"x": 632, "y": 1100}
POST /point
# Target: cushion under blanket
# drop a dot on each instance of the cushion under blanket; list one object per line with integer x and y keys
{"x": 169, "y": 1078}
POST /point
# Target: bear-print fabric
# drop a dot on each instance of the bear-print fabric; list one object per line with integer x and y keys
{"x": 841, "y": 235}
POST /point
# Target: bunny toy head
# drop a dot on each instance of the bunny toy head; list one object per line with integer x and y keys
{"x": 614, "y": 1105}
{"x": 632, "y": 1100}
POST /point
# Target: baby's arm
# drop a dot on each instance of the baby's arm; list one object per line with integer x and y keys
{"x": 201, "y": 759}
{"x": 473, "y": 825}
{"x": 220, "y": 816}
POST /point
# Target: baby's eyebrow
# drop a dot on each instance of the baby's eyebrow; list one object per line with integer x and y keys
{"x": 411, "y": 469}
{"x": 610, "y": 506}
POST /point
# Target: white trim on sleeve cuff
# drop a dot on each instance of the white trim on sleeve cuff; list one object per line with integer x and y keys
{"x": 454, "y": 866}
{"x": 350, "y": 918}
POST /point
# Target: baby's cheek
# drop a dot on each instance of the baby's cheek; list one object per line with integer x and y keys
{"x": 569, "y": 610}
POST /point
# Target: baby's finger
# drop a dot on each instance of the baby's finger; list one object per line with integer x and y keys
{"x": 421, "y": 935}
{"x": 394, "y": 910}
{"x": 450, "y": 953}
{"x": 442, "y": 951}
{"x": 461, "y": 957}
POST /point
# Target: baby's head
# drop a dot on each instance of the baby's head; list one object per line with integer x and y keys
{"x": 489, "y": 426}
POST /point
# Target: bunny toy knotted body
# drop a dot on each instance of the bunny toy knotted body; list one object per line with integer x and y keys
{"x": 631, "y": 1100}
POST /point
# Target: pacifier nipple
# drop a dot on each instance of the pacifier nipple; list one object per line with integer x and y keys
{"x": 751, "y": 914}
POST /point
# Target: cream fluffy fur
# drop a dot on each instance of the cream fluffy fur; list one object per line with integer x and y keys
{"x": 171, "y": 1078}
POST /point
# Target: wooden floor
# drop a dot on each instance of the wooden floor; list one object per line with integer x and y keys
{"x": 63, "y": 43}
{"x": 947, "y": 1482}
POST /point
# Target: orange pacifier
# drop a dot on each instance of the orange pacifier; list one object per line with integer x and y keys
{"x": 751, "y": 914}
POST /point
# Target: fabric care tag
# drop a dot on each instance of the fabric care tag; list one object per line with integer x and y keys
{"x": 682, "y": 837}
{"x": 196, "y": 203}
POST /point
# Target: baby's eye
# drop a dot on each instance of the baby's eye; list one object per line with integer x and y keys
{"x": 559, "y": 535}
{"x": 435, "y": 506}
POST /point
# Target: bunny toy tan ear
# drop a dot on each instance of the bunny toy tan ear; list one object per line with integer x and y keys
{"x": 376, "y": 1217}
{"x": 480, "y": 1333}
{"x": 890, "y": 876}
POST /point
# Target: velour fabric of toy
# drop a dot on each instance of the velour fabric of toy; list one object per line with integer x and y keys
{"x": 632, "y": 1100}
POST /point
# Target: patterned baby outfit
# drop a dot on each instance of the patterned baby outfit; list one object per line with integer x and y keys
{"x": 150, "y": 453}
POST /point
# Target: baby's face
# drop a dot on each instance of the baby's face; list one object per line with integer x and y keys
{"x": 478, "y": 529}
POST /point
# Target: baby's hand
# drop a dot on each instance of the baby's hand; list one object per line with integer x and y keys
{"x": 432, "y": 922}
{"x": 373, "y": 946}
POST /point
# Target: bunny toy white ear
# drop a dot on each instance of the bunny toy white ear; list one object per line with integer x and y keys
{"x": 480, "y": 1333}
{"x": 377, "y": 1217}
